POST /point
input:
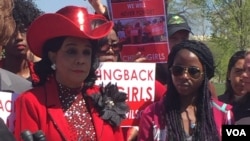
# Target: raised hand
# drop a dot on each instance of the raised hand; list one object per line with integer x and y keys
{"x": 98, "y": 6}
{"x": 139, "y": 57}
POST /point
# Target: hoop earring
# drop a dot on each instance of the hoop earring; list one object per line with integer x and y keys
{"x": 53, "y": 66}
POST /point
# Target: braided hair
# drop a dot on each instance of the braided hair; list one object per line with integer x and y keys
{"x": 206, "y": 127}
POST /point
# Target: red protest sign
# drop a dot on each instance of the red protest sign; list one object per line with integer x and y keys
{"x": 141, "y": 27}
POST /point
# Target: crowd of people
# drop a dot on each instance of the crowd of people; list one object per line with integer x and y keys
{"x": 63, "y": 102}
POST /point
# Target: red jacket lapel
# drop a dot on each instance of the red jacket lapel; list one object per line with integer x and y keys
{"x": 55, "y": 109}
{"x": 98, "y": 121}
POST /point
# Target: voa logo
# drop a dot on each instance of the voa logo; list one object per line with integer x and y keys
{"x": 236, "y": 132}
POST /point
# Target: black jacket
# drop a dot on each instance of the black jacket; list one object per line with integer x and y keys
{"x": 241, "y": 108}
{"x": 5, "y": 134}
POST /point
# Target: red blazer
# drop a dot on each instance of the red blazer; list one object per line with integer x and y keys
{"x": 40, "y": 109}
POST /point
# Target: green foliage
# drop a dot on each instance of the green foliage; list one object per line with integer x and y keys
{"x": 220, "y": 88}
{"x": 226, "y": 22}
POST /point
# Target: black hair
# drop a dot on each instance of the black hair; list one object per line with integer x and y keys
{"x": 161, "y": 71}
{"x": 43, "y": 67}
{"x": 229, "y": 92}
{"x": 24, "y": 13}
{"x": 205, "y": 129}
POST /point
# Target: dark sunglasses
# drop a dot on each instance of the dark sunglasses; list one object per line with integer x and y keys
{"x": 116, "y": 47}
{"x": 193, "y": 72}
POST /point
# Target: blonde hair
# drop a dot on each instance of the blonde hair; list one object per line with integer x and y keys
{"x": 7, "y": 23}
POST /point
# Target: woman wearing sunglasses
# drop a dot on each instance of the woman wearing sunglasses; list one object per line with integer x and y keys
{"x": 187, "y": 112}
{"x": 109, "y": 48}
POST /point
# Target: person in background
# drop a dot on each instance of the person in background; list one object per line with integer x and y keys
{"x": 246, "y": 81}
{"x": 246, "y": 75}
{"x": 178, "y": 31}
{"x": 235, "y": 94}
{"x": 99, "y": 8}
{"x": 17, "y": 57}
{"x": 109, "y": 51}
{"x": 7, "y": 26}
{"x": 109, "y": 47}
{"x": 10, "y": 82}
{"x": 187, "y": 111}
{"x": 65, "y": 104}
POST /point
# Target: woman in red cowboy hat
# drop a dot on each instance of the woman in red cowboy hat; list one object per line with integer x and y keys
{"x": 65, "y": 104}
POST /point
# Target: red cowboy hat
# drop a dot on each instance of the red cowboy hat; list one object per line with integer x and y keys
{"x": 68, "y": 21}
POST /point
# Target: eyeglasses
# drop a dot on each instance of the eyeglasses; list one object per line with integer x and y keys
{"x": 116, "y": 47}
{"x": 193, "y": 71}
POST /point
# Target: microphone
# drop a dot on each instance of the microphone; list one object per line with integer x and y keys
{"x": 37, "y": 136}
{"x": 27, "y": 135}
